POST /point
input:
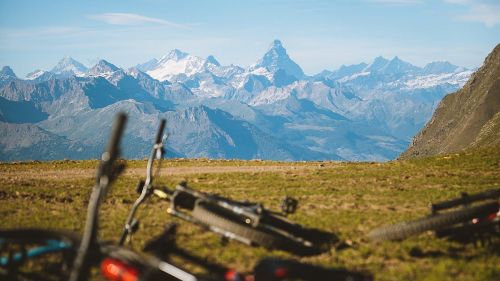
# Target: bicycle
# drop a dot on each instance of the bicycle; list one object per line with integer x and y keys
{"x": 164, "y": 246}
{"x": 245, "y": 222}
{"x": 465, "y": 224}
{"x": 68, "y": 256}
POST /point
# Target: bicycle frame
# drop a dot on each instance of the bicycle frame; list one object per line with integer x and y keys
{"x": 146, "y": 187}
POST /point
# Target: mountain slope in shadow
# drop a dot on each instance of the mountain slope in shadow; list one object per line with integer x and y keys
{"x": 468, "y": 118}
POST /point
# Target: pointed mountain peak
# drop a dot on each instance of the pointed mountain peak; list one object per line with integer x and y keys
{"x": 276, "y": 58}
{"x": 103, "y": 67}
{"x": 380, "y": 59}
{"x": 396, "y": 58}
{"x": 276, "y": 44}
{"x": 377, "y": 64}
{"x": 106, "y": 65}
{"x": 175, "y": 54}
{"x": 7, "y": 71}
{"x": 211, "y": 60}
{"x": 398, "y": 66}
{"x": 276, "y": 47}
{"x": 67, "y": 65}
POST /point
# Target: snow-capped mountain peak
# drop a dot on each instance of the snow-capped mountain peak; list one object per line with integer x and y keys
{"x": 67, "y": 66}
{"x": 103, "y": 66}
{"x": 174, "y": 63}
{"x": 7, "y": 72}
{"x": 175, "y": 54}
{"x": 211, "y": 60}
{"x": 276, "y": 58}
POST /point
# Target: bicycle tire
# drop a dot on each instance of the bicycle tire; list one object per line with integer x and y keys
{"x": 435, "y": 222}
{"x": 212, "y": 216}
{"x": 39, "y": 245}
{"x": 39, "y": 235}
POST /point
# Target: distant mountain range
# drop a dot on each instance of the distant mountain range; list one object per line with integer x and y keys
{"x": 269, "y": 110}
{"x": 469, "y": 118}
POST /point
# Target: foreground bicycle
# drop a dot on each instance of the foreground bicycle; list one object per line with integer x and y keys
{"x": 164, "y": 246}
{"x": 246, "y": 222}
{"x": 465, "y": 224}
{"x": 40, "y": 254}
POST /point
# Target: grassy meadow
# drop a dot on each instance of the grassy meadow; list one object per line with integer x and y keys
{"x": 348, "y": 199}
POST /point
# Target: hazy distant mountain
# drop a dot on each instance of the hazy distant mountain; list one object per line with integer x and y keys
{"x": 276, "y": 58}
{"x": 439, "y": 67}
{"x": 269, "y": 110}
{"x": 6, "y": 75}
{"x": 103, "y": 68}
{"x": 67, "y": 66}
{"x": 465, "y": 119}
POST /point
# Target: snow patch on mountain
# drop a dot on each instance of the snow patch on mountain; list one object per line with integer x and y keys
{"x": 35, "y": 74}
{"x": 432, "y": 80}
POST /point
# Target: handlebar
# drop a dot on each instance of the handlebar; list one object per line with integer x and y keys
{"x": 159, "y": 134}
{"x": 106, "y": 173}
{"x": 116, "y": 135}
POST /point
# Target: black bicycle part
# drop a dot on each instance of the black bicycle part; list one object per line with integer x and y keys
{"x": 145, "y": 188}
{"x": 164, "y": 247}
{"x": 106, "y": 174}
{"x": 249, "y": 223}
{"x": 433, "y": 222}
{"x": 289, "y": 205}
{"x": 29, "y": 247}
{"x": 465, "y": 199}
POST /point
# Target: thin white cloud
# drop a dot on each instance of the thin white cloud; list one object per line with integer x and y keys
{"x": 486, "y": 12}
{"x": 132, "y": 19}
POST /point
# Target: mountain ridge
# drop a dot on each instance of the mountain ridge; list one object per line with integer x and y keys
{"x": 465, "y": 119}
{"x": 350, "y": 113}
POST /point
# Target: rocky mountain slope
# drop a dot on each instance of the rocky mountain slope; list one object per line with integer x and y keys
{"x": 466, "y": 119}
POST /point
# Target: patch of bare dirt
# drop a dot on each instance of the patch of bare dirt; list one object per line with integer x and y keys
{"x": 90, "y": 173}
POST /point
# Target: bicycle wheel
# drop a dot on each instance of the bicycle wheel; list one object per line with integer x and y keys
{"x": 231, "y": 224}
{"x": 274, "y": 232}
{"x": 435, "y": 222}
{"x": 21, "y": 252}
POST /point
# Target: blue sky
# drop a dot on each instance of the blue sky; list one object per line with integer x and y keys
{"x": 317, "y": 34}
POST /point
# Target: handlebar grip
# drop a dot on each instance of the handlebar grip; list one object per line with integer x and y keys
{"x": 159, "y": 134}
{"x": 118, "y": 127}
